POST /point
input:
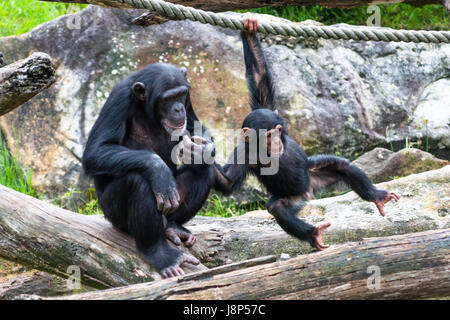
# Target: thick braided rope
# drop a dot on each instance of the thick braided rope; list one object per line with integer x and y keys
{"x": 179, "y": 12}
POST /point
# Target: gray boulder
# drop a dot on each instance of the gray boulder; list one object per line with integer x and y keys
{"x": 340, "y": 97}
{"x": 383, "y": 165}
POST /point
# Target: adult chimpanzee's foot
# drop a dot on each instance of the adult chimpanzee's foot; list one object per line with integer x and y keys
{"x": 177, "y": 234}
{"x": 384, "y": 197}
{"x": 175, "y": 269}
{"x": 168, "y": 260}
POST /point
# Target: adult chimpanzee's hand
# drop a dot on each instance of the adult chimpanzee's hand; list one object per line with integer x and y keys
{"x": 196, "y": 151}
{"x": 165, "y": 189}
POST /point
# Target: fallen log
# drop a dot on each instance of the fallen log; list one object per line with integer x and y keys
{"x": 219, "y": 5}
{"x": 52, "y": 239}
{"x": 411, "y": 266}
{"x": 22, "y": 80}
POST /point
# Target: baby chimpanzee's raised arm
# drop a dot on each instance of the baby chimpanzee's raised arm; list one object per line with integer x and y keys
{"x": 259, "y": 77}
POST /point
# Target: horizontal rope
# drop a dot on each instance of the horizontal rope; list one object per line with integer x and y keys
{"x": 179, "y": 12}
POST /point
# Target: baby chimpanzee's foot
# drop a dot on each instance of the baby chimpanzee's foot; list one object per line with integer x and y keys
{"x": 316, "y": 237}
{"x": 384, "y": 197}
{"x": 175, "y": 269}
{"x": 177, "y": 234}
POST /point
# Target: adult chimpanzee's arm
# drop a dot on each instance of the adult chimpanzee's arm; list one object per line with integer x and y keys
{"x": 104, "y": 155}
{"x": 259, "y": 77}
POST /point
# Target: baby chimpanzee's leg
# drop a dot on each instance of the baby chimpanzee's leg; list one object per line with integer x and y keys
{"x": 285, "y": 212}
{"x": 327, "y": 169}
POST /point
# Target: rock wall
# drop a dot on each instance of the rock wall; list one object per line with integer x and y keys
{"x": 341, "y": 97}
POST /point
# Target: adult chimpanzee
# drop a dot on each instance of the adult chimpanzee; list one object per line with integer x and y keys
{"x": 128, "y": 153}
{"x": 1, "y": 59}
{"x": 297, "y": 176}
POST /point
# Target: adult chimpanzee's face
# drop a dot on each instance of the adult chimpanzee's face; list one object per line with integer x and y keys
{"x": 171, "y": 109}
{"x": 170, "y": 106}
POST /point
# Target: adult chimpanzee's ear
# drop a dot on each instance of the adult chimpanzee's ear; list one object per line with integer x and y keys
{"x": 183, "y": 71}
{"x": 245, "y": 134}
{"x": 275, "y": 111}
{"x": 139, "y": 90}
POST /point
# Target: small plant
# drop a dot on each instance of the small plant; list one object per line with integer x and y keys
{"x": 217, "y": 206}
{"x": 389, "y": 135}
{"x": 83, "y": 202}
{"x": 426, "y": 135}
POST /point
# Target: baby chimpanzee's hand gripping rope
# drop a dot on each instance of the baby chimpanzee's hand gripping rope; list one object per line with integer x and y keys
{"x": 296, "y": 176}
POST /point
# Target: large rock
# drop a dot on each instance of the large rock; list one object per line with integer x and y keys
{"x": 383, "y": 165}
{"x": 340, "y": 97}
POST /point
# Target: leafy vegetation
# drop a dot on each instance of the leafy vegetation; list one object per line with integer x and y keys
{"x": 20, "y": 16}
{"x": 218, "y": 206}
{"x": 83, "y": 202}
{"x": 397, "y": 16}
{"x": 12, "y": 174}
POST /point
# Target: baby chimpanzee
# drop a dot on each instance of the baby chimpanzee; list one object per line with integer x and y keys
{"x": 278, "y": 161}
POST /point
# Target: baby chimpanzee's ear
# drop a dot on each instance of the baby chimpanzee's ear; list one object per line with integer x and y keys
{"x": 245, "y": 134}
{"x": 275, "y": 131}
{"x": 139, "y": 90}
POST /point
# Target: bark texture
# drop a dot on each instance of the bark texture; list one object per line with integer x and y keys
{"x": 51, "y": 239}
{"x": 22, "y": 80}
{"x": 410, "y": 266}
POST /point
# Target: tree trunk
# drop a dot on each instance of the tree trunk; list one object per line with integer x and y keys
{"x": 220, "y": 5}
{"x": 51, "y": 239}
{"x": 22, "y": 80}
{"x": 408, "y": 266}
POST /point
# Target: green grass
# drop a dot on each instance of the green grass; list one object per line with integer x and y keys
{"x": 83, "y": 202}
{"x": 398, "y": 16}
{"x": 217, "y": 206}
{"x": 20, "y": 16}
{"x": 12, "y": 174}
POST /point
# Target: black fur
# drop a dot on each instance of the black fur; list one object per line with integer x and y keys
{"x": 298, "y": 176}
{"x": 128, "y": 155}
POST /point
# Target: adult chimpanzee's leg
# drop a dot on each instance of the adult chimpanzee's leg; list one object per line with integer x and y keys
{"x": 130, "y": 205}
{"x": 285, "y": 212}
{"x": 193, "y": 186}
